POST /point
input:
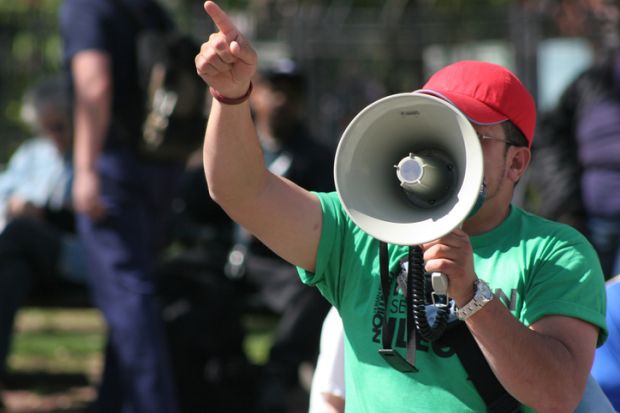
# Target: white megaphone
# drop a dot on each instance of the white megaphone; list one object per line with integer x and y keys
{"x": 409, "y": 169}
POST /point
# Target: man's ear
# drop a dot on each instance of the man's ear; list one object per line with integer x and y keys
{"x": 518, "y": 161}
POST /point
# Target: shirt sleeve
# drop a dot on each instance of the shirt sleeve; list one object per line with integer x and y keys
{"x": 39, "y": 171}
{"x": 569, "y": 282}
{"x": 83, "y": 27}
{"x": 327, "y": 270}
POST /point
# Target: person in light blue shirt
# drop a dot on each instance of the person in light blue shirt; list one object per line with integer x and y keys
{"x": 37, "y": 241}
{"x": 36, "y": 176}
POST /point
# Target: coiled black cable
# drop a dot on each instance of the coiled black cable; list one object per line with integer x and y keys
{"x": 417, "y": 294}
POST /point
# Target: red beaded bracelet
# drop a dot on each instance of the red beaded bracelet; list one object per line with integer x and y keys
{"x": 231, "y": 101}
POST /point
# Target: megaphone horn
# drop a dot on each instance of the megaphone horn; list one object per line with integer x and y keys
{"x": 408, "y": 168}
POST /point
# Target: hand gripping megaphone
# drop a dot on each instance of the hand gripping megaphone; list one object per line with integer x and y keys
{"x": 409, "y": 169}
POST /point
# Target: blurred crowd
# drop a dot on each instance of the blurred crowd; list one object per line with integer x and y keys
{"x": 82, "y": 203}
{"x": 575, "y": 179}
{"x": 173, "y": 275}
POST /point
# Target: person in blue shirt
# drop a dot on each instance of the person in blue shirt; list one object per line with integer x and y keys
{"x": 575, "y": 169}
{"x": 37, "y": 242}
{"x": 122, "y": 200}
{"x": 606, "y": 367}
{"x": 38, "y": 172}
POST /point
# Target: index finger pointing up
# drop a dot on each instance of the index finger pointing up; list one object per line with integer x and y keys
{"x": 221, "y": 20}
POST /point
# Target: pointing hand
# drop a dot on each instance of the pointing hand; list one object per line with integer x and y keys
{"x": 227, "y": 61}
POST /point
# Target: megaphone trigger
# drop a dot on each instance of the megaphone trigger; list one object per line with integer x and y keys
{"x": 439, "y": 281}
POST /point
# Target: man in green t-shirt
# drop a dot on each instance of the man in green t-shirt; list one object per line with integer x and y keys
{"x": 529, "y": 291}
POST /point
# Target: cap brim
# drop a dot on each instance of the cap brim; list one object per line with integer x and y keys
{"x": 473, "y": 109}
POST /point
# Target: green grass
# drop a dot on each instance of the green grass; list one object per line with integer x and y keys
{"x": 72, "y": 340}
{"x": 67, "y": 352}
{"x": 259, "y": 336}
{"x": 57, "y": 341}
{"x": 56, "y": 358}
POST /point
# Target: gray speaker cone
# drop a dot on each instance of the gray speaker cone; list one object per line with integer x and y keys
{"x": 427, "y": 178}
{"x": 428, "y": 196}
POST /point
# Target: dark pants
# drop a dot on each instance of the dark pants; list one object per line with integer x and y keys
{"x": 122, "y": 252}
{"x": 604, "y": 233}
{"x": 302, "y": 310}
{"x": 29, "y": 254}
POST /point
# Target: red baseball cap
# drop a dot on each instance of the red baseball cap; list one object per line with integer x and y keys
{"x": 486, "y": 93}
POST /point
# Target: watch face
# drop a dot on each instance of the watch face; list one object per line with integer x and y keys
{"x": 482, "y": 296}
{"x": 483, "y": 290}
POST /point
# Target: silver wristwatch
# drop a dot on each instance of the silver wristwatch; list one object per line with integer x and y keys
{"x": 482, "y": 295}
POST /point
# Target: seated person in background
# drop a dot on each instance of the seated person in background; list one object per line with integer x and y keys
{"x": 290, "y": 151}
{"x": 36, "y": 239}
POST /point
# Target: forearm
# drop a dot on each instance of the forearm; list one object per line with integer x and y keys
{"x": 90, "y": 130}
{"x": 544, "y": 365}
{"x": 285, "y": 217}
{"x": 93, "y": 102}
{"x": 233, "y": 160}
{"x": 538, "y": 369}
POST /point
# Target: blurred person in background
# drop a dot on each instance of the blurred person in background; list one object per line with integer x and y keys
{"x": 290, "y": 151}
{"x": 121, "y": 199}
{"x": 327, "y": 393}
{"x": 576, "y": 167}
{"x": 38, "y": 245}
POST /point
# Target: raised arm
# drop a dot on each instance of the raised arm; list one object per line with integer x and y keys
{"x": 282, "y": 215}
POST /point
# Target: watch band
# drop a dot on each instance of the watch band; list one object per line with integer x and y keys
{"x": 482, "y": 295}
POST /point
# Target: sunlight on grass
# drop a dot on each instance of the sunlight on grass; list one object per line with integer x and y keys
{"x": 65, "y": 319}
{"x": 58, "y": 340}
{"x": 259, "y": 335}
{"x": 71, "y": 340}
{"x": 56, "y": 357}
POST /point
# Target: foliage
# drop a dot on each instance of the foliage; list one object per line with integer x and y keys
{"x": 29, "y": 49}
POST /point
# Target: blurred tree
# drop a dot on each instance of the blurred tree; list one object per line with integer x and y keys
{"x": 340, "y": 41}
{"x": 29, "y": 50}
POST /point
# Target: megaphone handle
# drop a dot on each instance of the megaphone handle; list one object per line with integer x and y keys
{"x": 439, "y": 281}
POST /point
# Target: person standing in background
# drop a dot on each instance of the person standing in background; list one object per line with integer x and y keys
{"x": 121, "y": 199}
{"x": 327, "y": 393}
{"x": 289, "y": 150}
{"x": 575, "y": 167}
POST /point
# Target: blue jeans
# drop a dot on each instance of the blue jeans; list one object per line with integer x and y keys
{"x": 604, "y": 234}
{"x": 122, "y": 251}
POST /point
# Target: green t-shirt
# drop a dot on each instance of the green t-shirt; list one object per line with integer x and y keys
{"x": 536, "y": 267}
